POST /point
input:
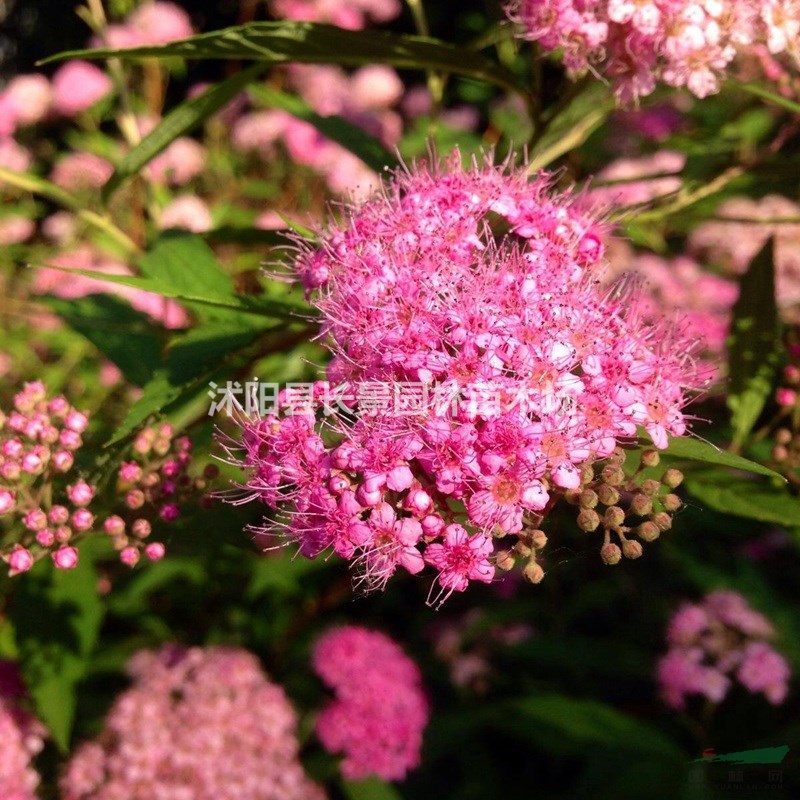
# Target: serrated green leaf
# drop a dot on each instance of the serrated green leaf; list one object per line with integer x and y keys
{"x": 314, "y": 43}
{"x": 335, "y": 128}
{"x": 57, "y": 616}
{"x": 696, "y": 450}
{"x": 750, "y": 499}
{"x": 124, "y": 335}
{"x": 182, "y": 119}
{"x": 753, "y": 344}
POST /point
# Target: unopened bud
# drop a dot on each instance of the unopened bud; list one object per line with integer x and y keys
{"x": 672, "y": 479}
{"x": 618, "y": 456}
{"x": 533, "y": 573}
{"x": 779, "y": 453}
{"x": 587, "y": 474}
{"x": 588, "y": 499}
{"x": 650, "y": 487}
{"x": 611, "y": 554}
{"x": 641, "y": 505}
{"x": 671, "y": 502}
{"x": 650, "y": 458}
{"x": 663, "y": 521}
{"x": 783, "y": 436}
{"x": 538, "y": 539}
{"x": 505, "y": 560}
{"x": 631, "y": 549}
{"x": 588, "y": 520}
{"x": 648, "y": 531}
{"x": 522, "y": 549}
{"x": 613, "y": 475}
{"x": 607, "y": 495}
{"x": 614, "y": 517}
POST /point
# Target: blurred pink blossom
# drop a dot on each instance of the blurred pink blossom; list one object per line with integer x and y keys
{"x": 81, "y": 171}
{"x": 159, "y": 23}
{"x": 633, "y": 181}
{"x": 78, "y": 85}
{"x": 14, "y": 156}
{"x": 188, "y": 212}
{"x": 31, "y": 96}
{"x": 182, "y": 161}
{"x": 351, "y": 14}
{"x": 15, "y": 229}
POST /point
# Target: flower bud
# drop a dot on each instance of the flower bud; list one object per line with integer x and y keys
{"x": 65, "y": 558}
{"x": 211, "y": 472}
{"x": 538, "y": 539}
{"x": 63, "y": 460}
{"x": 631, "y": 549}
{"x": 35, "y": 520}
{"x": 671, "y": 502}
{"x": 783, "y": 436}
{"x": 588, "y": 520}
{"x": 129, "y": 472}
{"x": 82, "y": 520}
{"x": 607, "y": 495}
{"x": 114, "y": 525}
{"x": 141, "y": 528}
{"x": 75, "y": 421}
{"x": 651, "y": 487}
{"x": 20, "y": 560}
{"x": 522, "y": 549}
{"x": 641, "y": 504}
{"x": 650, "y": 458}
{"x": 70, "y": 440}
{"x": 663, "y": 521}
{"x": 505, "y": 560}
{"x": 611, "y": 554}
{"x": 648, "y": 531}
{"x": 432, "y": 526}
{"x": 672, "y": 478}
{"x": 7, "y": 501}
{"x": 46, "y": 538}
{"x": 532, "y": 572}
{"x": 779, "y": 453}
{"x": 614, "y": 517}
{"x": 62, "y": 534}
{"x": 613, "y": 475}
{"x": 134, "y": 499}
{"x": 169, "y": 512}
{"x": 129, "y": 556}
{"x": 10, "y": 471}
{"x": 155, "y": 551}
{"x": 588, "y": 499}
{"x": 80, "y": 493}
{"x": 337, "y": 484}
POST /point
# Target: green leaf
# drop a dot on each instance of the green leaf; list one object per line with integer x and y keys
{"x": 567, "y": 724}
{"x": 57, "y": 616}
{"x": 753, "y": 344}
{"x": 335, "y": 128}
{"x": 313, "y": 43}
{"x": 370, "y": 789}
{"x": 182, "y": 119}
{"x": 750, "y": 499}
{"x": 572, "y": 125}
{"x": 765, "y": 94}
{"x": 281, "y": 573}
{"x": 125, "y": 336}
{"x": 39, "y": 186}
{"x": 696, "y": 450}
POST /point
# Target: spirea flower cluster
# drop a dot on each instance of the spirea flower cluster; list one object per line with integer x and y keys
{"x": 715, "y": 642}
{"x": 480, "y": 371}
{"x": 636, "y": 43}
{"x": 200, "y": 724}
{"x": 379, "y": 712}
{"x": 46, "y": 507}
{"x": 21, "y": 738}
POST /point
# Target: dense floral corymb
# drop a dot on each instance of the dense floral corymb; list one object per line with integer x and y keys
{"x": 380, "y": 710}
{"x": 636, "y": 43}
{"x": 714, "y": 641}
{"x": 480, "y": 369}
{"x": 200, "y": 724}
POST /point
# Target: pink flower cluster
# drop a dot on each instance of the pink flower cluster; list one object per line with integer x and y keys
{"x": 733, "y": 245}
{"x": 351, "y": 14}
{"x": 47, "y": 506}
{"x": 380, "y": 711}
{"x": 636, "y": 43}
{"x": 714, "y": 641}
{"x": 200, "y": 724}
{"x": 637, "y": 181}
{"x": 21, "y": 738}
{"x": 366, "y": 98}
{"x": 680, "y": 286}
{"x": 480, "y": 290}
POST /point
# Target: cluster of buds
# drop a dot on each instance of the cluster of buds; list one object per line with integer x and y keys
{"x": 38, "y": 442}
{"x": 629, "y": 508}
{"x": 46, "y": 508}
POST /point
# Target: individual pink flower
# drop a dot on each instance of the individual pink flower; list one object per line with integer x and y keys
{"x": 182, "y": 161}
{"x": 379, "y": 712}
{"x": 200, "y": 724}
{"x": 352, "y": 14}
{"x": 14, "y": 156}
{"x": 78, "y": 85}
{"x": 461, "y": 558}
